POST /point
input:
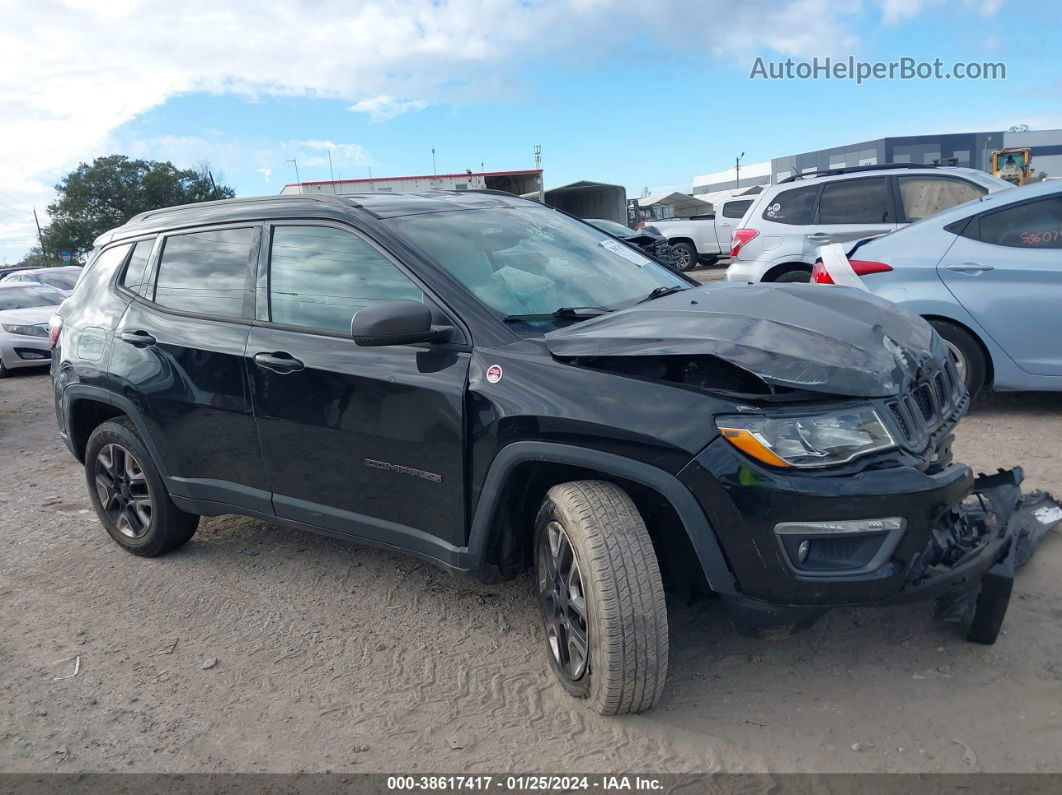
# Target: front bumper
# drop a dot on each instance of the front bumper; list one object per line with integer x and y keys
{"x": 20, "y": 350}
{"x": 956, "y": 530}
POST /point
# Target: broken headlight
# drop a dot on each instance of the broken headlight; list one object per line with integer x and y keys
{"x": 811, "y": 441}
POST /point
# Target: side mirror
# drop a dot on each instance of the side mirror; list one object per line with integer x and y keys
{"x": 392, "y": 323}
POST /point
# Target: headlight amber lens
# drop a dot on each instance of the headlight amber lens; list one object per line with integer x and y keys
{"x": 811, "y": 441}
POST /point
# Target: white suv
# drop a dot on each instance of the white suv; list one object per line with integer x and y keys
{"x": 779, "y": 237}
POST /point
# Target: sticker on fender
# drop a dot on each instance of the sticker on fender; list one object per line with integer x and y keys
{"x": 494, "y": 373}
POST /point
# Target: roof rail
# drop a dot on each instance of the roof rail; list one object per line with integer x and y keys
{"x": 327, "y": 198}
{"x": 831, "y": 172}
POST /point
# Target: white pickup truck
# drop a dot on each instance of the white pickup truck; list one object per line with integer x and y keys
{"x": 704, "y": 238}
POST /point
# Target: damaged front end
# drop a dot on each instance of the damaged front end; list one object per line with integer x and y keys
{"x": 832, "y": 481}
{"x": 973, "y": 552}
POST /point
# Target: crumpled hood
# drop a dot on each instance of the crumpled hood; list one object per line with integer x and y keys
{"x": 825, "y": 339}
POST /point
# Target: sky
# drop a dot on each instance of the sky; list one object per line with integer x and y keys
{"x": 636, "y": 92}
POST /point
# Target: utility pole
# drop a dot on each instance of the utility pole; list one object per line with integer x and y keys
{"x": 40, "y": 237}
{"x": 538, "y": 155}
{"x": 212, "y": 185}
{"x": 433, "y": 169}
{"x": 297, "y": 178}
{"x": 331, "y": 173}
{"x": 737, "y": 171}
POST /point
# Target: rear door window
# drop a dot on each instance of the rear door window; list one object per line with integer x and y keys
{"x": 855, "y": 201}
{"x": 1036, "y": 224}
{"x": 792, "y": 206}
{"x": 923, "y": 196}
{"x": 207, "y": 273}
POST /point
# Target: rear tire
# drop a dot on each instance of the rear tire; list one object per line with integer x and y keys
{"x": 129, "y": 495}
{"x": 596, "y": 568}
{"x": 966, "y": 352}
{"x": 795, "y": 276}
{"x": 687, "y": 256}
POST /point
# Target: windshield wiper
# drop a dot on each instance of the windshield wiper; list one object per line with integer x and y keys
{"x": 564, "y": 313}
{"x": 661, "y": 291}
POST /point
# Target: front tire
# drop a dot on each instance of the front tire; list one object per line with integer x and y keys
{"x": 687, "y": 256}
{"x": 129, "y": 495}
{"x": 601, "y": 597}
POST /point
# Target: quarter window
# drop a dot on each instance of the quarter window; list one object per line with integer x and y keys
{"x": 1035, "y": 224}
{"x": 856, "y": 201}
{"x": 792, "y": 206}
{"x": 133, "y": 277}
{"x": 207, "y": 272}
{"x": 924, "y": 196}
{"x": 320, "y": 276}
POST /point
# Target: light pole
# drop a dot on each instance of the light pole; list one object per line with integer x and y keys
{"x": 297, "y": 178}
{"x": 737, "y": 171}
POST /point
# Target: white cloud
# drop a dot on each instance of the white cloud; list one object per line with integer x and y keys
{"x": 235, "y": 154}
{"x": 74, "y": 71}
{"x": 893, "y": 11}
{"x": 385, "y": 107}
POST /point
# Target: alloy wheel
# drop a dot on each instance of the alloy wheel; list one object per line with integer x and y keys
{"x": 562, "y": 599}
{"x": 123, "y": 490}
{"x": 958, "y": 358}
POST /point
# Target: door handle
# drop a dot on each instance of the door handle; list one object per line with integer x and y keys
{"x": 819, "y": 237}
{"x": 969, "y": 268}
{"x": 138, "y": 338}
{"x": 279, "y": 362}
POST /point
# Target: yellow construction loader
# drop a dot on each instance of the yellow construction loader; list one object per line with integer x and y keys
{"x": 1012, "y": 163}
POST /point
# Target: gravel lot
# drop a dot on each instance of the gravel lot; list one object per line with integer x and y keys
{"x": 258, "y": 648}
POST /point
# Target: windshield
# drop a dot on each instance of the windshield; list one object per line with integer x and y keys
{"x": 27, "y": 297}
{"x": 619, "y": 230}
{"x": 64, "y": 280}
{"x": 523, "y": 261}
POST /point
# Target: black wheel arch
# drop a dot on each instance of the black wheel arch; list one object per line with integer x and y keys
{"x": 521, "y": 474}
{"x": 785, "y": 267}
{"x": 85, "y": 407}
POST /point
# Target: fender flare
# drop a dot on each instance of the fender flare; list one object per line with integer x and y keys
{"x": 701, "y": 534}
{"x": 75, "y": 392}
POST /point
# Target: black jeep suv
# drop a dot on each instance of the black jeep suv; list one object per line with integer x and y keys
{"x": 492, "y": 385}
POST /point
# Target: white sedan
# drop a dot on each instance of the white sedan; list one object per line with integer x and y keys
{"x": 24, "y": 313}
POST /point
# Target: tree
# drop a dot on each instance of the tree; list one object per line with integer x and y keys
{"x": 108, "y": 192}
{"x": 35, "y": 258}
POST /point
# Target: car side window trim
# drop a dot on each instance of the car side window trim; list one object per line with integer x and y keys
{"x": 152, "y": 271}
{"x": 263, "y": 282}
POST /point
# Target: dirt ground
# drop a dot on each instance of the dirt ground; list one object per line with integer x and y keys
{"x": 258, "y": 648}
